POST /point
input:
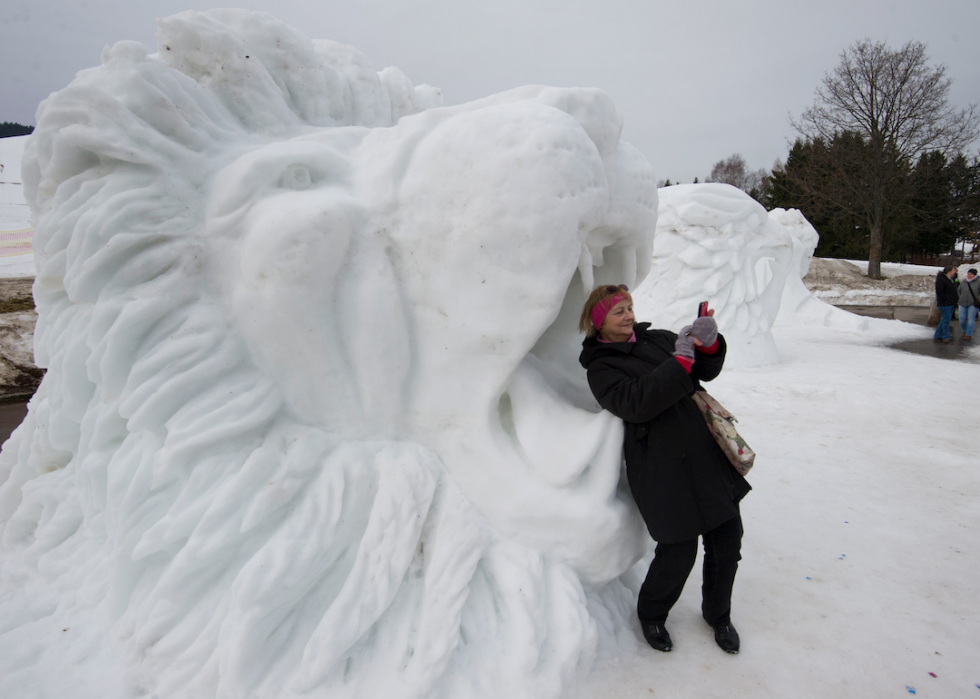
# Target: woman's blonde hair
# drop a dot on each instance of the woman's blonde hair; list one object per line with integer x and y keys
{"x": 599, "y": 294}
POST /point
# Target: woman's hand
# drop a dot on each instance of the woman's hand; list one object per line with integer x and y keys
{"x": 705, "y": 330}
{"x": 685, "y": 344}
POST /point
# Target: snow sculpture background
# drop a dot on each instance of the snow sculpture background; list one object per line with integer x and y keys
{"x": 716, "y": 243}
{"x": 798, "y": 304}
{"x": 313, "y": 422}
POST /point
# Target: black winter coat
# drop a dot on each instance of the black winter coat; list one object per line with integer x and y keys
{"x": 946, "y": 291}
{"x": 682, "y": 482}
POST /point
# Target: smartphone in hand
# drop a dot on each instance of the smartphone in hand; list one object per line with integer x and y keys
{"x": 702, "y": 309}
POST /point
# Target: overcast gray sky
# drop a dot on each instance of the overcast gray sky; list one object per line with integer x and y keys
{"x": 695, "y": 81}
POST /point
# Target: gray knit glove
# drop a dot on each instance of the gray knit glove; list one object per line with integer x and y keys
{"x": 684, "y": 347}
{"x": 706, "y": 330}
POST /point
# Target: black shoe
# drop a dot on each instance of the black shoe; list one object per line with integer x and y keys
{"x": 727, "y": 638}
{"x": 657, "y": 636}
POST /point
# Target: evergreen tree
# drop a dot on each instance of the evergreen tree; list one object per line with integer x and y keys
{"x": 931, "y": 227}
{"x": 12, "y": 129}
{"x": 897, "y": 106}
{"x": 817, "y": 179}
{"x": 930, "y": 205}
{"x": 964, "y": 182}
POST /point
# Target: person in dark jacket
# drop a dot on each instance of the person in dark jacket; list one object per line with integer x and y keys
{"x": 683, "y": 484}
{"x": 946, "y": 295}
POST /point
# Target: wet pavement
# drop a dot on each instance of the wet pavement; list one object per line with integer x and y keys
{"x": 956, "y": 349}
{"x": 11, "y": 415}
{"x": 910, "y": 314}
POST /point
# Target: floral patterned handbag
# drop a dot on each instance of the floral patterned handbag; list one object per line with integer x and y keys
{"x": 722, "y": 427}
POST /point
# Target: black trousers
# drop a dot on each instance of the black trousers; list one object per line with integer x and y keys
{"x": 672, "y": 564}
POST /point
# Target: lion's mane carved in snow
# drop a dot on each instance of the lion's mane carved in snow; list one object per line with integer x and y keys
{"x": 312, "y": 423}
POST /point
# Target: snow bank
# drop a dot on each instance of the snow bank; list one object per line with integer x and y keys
{"x": 16, "y": 267}
{"x": 843, "y": 283}
{"x": 308, "y": 337}
{"x": 11, "y": 151}
{"x": 895, "y": 269}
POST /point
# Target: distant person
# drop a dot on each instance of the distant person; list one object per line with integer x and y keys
{"x": 969, "y": 293}
{"x": 683, "y": 484}
{"x": 956, "y": 281}
{"x": 946, "y": 296}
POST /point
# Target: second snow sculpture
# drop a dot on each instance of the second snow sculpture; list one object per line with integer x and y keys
{"x": 312, "y": 423}
{"x": 715, "y": 243}
{"x": 798, "y": 304}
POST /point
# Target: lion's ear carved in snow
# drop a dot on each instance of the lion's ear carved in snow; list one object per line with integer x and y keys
{"x": 313, "y": 420}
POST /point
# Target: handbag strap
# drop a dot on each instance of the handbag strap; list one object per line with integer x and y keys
{"x": 970, "y": 289}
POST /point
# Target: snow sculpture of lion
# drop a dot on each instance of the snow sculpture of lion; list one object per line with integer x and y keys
{"x": 312, "y": 423}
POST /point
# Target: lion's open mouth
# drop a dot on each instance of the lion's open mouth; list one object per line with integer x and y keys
{"x": 551, "y": 422}
{"x": 548, "y": 411}
{"x": 560, "y": 441}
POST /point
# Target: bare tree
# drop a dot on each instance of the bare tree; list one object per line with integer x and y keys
{"x": 898, "y": 106}
{"x": 733, "y": 171}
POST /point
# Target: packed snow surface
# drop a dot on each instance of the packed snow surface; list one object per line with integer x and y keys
{"x": 17, "y": 266}
{"x": 313, "y": 423}
{"x": 859, "y": 562}
{"x": 894, "y": 269}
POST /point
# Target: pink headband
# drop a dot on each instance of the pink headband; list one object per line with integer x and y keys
{"x": 601, "y": 309}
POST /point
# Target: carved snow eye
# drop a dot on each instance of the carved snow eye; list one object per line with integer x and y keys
{"x": 296, "y": 177}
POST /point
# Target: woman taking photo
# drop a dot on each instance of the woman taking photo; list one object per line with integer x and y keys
{"x": 683, "y": 484}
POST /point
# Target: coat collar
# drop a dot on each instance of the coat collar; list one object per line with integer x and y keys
{"x": 592, "y": 348}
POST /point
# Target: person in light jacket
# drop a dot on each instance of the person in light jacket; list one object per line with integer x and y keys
{"x": 683, "y": 484}
{"x": 969, "y": 292}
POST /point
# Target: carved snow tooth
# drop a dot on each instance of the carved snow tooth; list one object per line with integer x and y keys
{"x": 585, "y": 268}
{"x": 629, "y": 266}
{"x": 597, "y": 248}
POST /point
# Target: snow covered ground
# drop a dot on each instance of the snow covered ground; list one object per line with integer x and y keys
{"x": 19, "y": 266}
{"x": 844, "y": 283}
{"x": 860, "y": 558}
{"x": 894, "y": 269}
